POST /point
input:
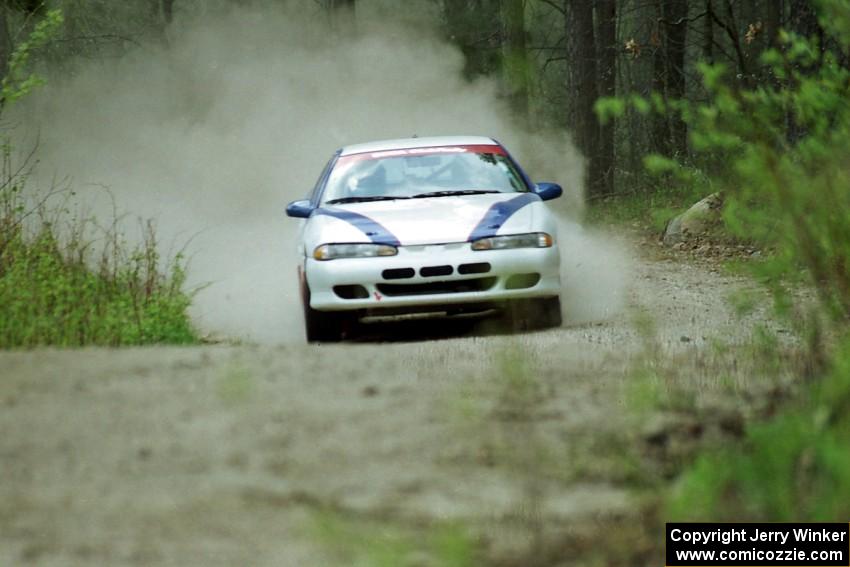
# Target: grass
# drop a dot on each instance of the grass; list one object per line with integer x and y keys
{"x": 795, "y": 467}
{"x": 370, "y": 542}
{"x": 652, "y": 198}
{"x": 56, "y": 290}
{"x": 50, "y": 295}
{"x": 650, "y": 207}
{"x": 701, "y": 416}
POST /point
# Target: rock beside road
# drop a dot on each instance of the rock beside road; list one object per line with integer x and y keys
{"x": 695, "y": 221}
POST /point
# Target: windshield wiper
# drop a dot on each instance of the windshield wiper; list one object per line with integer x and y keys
{"x": 453, "y": 193}
{"x": 362, "y": 199}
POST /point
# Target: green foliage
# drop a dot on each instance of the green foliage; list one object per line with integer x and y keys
{"x": 658, "y": 164}
{"x": 609, "y": 108}
{"x": 52, "y": 291}
{"x": 51, "y": 294}
{"x": 20, "y": 79}
{"x": 785, "y": 150}
{"x": 658, "y": 207}
{"x": 652, "y": 206}
{"x": 55, "y": 291}
{"x": 371, "y": 544}
{"x": 793, "y": 468}
{"x": 835, "y": 19}
{"x": 787, "y": 187}
{"x": 780, "y": 152}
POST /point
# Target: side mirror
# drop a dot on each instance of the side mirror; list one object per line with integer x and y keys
{"x": 548, "y": 191}
{"x": 299, "y": 209}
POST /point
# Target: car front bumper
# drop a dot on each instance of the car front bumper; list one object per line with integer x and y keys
{"x": 433, "y": 275}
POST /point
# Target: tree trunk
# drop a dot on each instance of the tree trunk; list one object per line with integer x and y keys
{"x": 583, "y": 69}
{"x": 676, "y": 12}
{"x": 515, "y": 62}
{"x": 475, "y": 26}
{"x": 606, "y": 36}
{"x": 708, "y": 34}
{"x": 342, "y": 17}
{"x": 168, "y": 10}
{"x": 660, "y": 133}
{"x": 803, "y": 19}
{"x": 28, "y": 7}
{"x": 773, "y": 22}
{"x": 5, "y": 42}
{"x": 455, "y": 17}
{"x": 669, "y": 132}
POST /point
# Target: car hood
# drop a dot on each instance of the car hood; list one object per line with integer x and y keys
{"x": 426, "y": 221}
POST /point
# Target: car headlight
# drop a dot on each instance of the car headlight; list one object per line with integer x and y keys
{"x": 334, "y": 251}
{"x": 531, "y": 240}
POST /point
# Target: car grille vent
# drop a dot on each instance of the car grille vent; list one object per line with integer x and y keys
{"x": 431, "y": 288}
{"x": 398, "y": 273}
{"x": 431, "y": 271}
{"x": 476, "y": 268}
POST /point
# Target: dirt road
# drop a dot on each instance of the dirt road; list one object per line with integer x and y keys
{"x": 232, "y": 455}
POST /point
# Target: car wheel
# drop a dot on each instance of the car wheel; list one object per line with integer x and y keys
{"x": 323, "y": 326}
{"x": 550, "y": 308}
{"x": 532, "y": 314}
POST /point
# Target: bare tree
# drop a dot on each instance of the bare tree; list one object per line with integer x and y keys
{"x": 5, "y": 41}
{"x": 342, "y": 13}
{"x": 660, "y": 134}
{"x": 708, "y": 34}
{"x": 773, "y": 21}
{"x": 582, "y": 54}
{"x": 803, "y": 18}
{"x": 669, "y": 132}
{"x": 29, "y": 7}
{"x": 475, "y": 27}
{"x": 606, "y": 37}
{"x": 515, "y": 61}
{"x": 168, "y": 10}
{"x": 676, "y": 14}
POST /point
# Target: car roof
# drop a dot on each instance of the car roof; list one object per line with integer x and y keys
{"x": 408, "y": 143}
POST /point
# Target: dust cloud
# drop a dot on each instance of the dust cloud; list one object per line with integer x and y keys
{"x": 214, "y": 133}
{"x": 594, "y": 274}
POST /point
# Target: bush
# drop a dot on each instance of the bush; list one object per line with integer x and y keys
{"x": 53, "y": 293}
{"x": 787, "y": 146}
{"x": 780, "y": 153}
{"x": 55, "y": 290}
{"x": 793, "y": 468}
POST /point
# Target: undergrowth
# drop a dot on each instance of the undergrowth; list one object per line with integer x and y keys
{"x": 65, "y": 282}
{"x": 782, "y": 151}
{"x": 794, "y": 468}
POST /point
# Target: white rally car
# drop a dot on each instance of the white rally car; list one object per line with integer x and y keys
{"x": 445, "y": 226}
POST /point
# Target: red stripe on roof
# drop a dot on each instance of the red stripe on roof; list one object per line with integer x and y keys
{"x": 432, "y": 150}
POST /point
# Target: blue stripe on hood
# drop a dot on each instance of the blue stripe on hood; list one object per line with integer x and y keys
{"x": 498, "y": 214}
{"x": 371, "y": 228}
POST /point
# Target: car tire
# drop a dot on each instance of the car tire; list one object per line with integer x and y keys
{"x": 550, "y": 308}
{"x": 323, "y": 326}
{"x": 533, "y": 314}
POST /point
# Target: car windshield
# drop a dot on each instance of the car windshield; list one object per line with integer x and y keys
{"x": 422, "y": 172}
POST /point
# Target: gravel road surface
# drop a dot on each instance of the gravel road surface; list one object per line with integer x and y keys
{"x": 225, "y": 455}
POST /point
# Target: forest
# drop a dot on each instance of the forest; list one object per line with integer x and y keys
{"x": 553, "y": 59}
{"x": 153, "y": 373}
